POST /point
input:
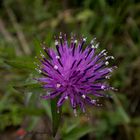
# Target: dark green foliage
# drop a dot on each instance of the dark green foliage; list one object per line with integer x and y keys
{"x": 24, "y": 24}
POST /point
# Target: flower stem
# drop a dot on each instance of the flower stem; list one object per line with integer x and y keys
{"x": 55, "y": 116}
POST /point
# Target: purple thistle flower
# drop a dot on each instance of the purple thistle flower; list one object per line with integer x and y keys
{"x": 75, "y": 73}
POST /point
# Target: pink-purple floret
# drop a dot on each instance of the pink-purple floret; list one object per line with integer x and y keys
{"x": 74, "y": 72}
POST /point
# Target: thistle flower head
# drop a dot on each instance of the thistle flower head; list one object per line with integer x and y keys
{"x": 74, "y": 72}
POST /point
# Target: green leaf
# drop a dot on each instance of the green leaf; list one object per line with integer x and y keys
{"x": 46, "y": 106}
{"x": 121, "y": 111}
{"x": 21, "y": 63}
{"x": 77, "y": 132}
{"x": 84, "y": 15}
{"x": 27, "y": 87}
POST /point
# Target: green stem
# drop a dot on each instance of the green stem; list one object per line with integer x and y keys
{"x": 55, "y": 116}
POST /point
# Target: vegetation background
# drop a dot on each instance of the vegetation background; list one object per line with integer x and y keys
{"x": 24, "y": 24}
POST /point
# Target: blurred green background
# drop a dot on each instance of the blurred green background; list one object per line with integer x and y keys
{"x": 24, "y": 24}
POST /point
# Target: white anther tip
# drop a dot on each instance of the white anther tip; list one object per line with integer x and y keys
{"x": 93, "y": 40}
{"x": 107, "y": 77}
{"x": 58, "y": 85}
{"x": 103, "y": 51}
{"x": 84, "y": 39}
{"x": 57, "y": 57}
{"x": 83, "y": 96}
{"x": 112, "y": 57}
{"x": 106, "y": 63}
{"x": 39, "y": 71}
{"x": 102, "y": 87}
{"x": 55, "y": 67}
{"x": 92, "y": 46}
{"x": 75, "y": 41}
{"x": 66, "y": 97}
{"x": 97, "y": 45}
{"x": 56, "y": 42}
{"x": 93, "y": 101}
